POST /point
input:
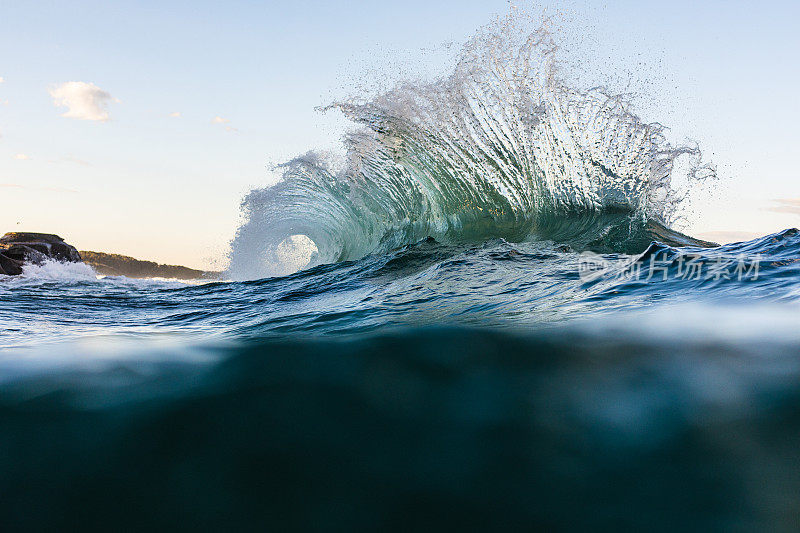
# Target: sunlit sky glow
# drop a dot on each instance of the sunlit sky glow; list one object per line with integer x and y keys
{"x": 137, "y": 127}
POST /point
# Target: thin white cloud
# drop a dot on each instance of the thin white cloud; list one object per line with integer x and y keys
{"x": 22, "y": 157}
{"x": 84, "y": 101}
{"x": 176, "y": 114}
{"x": 29, "y": 188}
{"x": 786, "y": 205}
{"x": 226, "y": 122}
{"x": 77, "y": 161}
{"x": 70, "y": 159}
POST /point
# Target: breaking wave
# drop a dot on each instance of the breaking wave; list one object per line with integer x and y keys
{"x": 503, "y": 147}
{"x": 58, "y": 271}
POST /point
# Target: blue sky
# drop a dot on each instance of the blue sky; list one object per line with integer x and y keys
{"x": 245, "y": 78}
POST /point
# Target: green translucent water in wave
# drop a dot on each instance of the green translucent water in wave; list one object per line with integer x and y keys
{"x": 502, "y": 147}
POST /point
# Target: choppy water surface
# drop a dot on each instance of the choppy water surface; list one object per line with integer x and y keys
{"x": 495, "y": 284}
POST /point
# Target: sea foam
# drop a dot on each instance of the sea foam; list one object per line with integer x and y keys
{"x": 58, "y": 271}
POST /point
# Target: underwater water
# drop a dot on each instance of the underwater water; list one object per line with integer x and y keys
{"x": 480, "y": 318}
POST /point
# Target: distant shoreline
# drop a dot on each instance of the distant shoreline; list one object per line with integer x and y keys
{"x": 121, "y": 265}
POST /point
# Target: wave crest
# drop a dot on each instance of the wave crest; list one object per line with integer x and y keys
{"x": 501, "y": 147}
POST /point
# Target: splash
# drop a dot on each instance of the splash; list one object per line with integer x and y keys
{"x": 503, "y": 147}
{"x": 57, "y": 271}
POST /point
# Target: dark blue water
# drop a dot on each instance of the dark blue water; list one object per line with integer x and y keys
{"x": 494, "y": 284}
{"x": 472, "y": 386}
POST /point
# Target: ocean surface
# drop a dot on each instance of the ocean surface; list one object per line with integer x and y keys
{"x": 479, "y": 319}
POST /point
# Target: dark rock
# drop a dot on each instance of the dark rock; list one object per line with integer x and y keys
{"x": 10, "y": 267}
{"x": 26, "y": 253}
{"x": 17, "y": 249}
{"x": 52, "y": 246}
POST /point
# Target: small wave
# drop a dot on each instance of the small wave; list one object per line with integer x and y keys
{"x": 144, "y": 283}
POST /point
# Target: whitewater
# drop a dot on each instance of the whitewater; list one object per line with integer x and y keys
{"x": 485, "y": 308}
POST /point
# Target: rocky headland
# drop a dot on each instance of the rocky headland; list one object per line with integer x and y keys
{"x": 18, "y": 249}
{"x": 122, "y": 265}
